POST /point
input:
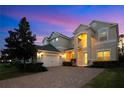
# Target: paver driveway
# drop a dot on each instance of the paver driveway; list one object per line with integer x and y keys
{"x": 56, "y": 77}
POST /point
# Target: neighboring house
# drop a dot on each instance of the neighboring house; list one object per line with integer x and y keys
{"x": 96, "y": 42}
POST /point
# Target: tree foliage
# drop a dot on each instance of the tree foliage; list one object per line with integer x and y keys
{"x": 20, "y": 43}
{"x": 121, "y": 45}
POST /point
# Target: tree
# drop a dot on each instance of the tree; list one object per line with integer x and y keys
{"x": 121, "y": 45}
{"x": 20, "y": 43}
{"x": 11, "y": 44}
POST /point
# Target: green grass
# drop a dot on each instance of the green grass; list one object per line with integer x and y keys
{"x": 7, "y": 71}
{"x": 110, "y": 78}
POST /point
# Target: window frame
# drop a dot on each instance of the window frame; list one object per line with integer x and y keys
{"x": 103, "y": 50}
{"x": 101, "y": 31}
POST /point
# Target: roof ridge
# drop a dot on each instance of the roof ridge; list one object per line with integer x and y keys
{"x": 48, "y": 47}
{"x": 102, "y": 22}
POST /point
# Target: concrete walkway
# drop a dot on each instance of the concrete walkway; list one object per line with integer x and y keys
{"x": 56, "y": 77}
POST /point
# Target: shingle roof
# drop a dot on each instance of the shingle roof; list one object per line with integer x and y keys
{"x": 59, "y": 35}
{"x": 48, "y": 47}
{"x": 69, "y": 49}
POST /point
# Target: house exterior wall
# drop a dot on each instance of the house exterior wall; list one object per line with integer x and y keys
{"x": 45, "y": 41}
{"x": 94, "y": 44}
{"x": 110, "y": 44}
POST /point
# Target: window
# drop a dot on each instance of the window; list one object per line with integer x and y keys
{"x": 82, "y": 40}
{"x": 103, "y": 55}
{"x": 57, "y": 39}
{"x": 100, "y": 55}
{"x": 72, "y": 56}
{"x": 103, "y": 36}
{"x": 93, "y": 24}
{"x": 107, "y": 55}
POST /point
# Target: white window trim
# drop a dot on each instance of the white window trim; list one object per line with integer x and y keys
{"x": 101, "y": 30}
{"x": 101, "y": 50}
{"x": 100, "y": 36}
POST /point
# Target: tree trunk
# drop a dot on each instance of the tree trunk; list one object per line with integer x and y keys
{"x": 32, "y": 58}
{"x": 24, "y": 64}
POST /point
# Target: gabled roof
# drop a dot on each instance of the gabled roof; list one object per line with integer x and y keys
{"x": 103, "y": 22}
{"x": 48, "y": 47}
{"x": 81, "y": 25}
{"x": 69, "y": 49}
{"x": 44, "y": 38}
{"x": 59, "y": 35}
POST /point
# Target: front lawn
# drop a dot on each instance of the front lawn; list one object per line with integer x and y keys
{"x": 110, "y": 78}
{"x": 7, "y": 71}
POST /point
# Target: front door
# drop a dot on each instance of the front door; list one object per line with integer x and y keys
{"x": 85, "y": 59}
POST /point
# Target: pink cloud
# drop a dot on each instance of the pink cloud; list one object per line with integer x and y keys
{"x": 39, "y": 40}
{"x": 64, "y": 21}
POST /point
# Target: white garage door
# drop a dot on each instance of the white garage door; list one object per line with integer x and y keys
{"x": 51, "y": 60}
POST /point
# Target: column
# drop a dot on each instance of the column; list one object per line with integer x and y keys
{"x": 89, "y": 47}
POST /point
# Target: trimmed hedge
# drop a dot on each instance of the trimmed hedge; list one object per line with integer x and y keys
{"x": 121, "y": 59}
{"x": 31, "y": 67}
{"x": 106, "y": 64}
{"x": 67, "y": 63}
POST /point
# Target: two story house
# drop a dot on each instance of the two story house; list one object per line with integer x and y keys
{"x": 97, "y": 41}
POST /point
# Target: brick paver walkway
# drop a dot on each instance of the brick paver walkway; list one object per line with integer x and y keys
{"x": 56, "y": 77}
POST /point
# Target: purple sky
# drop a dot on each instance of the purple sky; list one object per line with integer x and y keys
{"x": 64, "y": 19}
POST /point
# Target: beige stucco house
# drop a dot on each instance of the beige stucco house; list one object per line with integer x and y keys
{"x": 97, "y": 41}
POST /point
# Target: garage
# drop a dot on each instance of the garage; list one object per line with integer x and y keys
{"x": 49, "y": 56}
{"x": 51, "y": 60}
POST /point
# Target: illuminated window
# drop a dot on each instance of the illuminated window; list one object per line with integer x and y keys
{"x": 69, "y": 55}
{"x": 107, "y": 55}
{"x": 57, "y": 39}
{"x": 39, "y": 55}
{"x": 83, "y": 40}
{"x": 72, "y": 56}
{"x": 103, "y": 56}
{"x": 100, "y": 55}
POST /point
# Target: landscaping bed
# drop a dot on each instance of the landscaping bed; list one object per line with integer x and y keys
{"x": 106, "y": 64}
{"x": 31, "y": 67}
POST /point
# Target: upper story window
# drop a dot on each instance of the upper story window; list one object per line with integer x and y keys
{"x": 103, "y": 34}
{"x": 93, "y": 24}
{"x": 57, "y": 39}
{"x": 82, "y": 40}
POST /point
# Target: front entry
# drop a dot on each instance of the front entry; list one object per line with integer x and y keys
{"x": 85, "y": 59}
{"x": 80, "y": 58}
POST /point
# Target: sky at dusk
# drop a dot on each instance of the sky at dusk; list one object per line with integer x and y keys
{"x": 64, "y": 19}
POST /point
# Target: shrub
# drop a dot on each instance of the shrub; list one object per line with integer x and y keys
{"x": 31, "y": 67}
{"x": 67, "y": 64}
{"x": 106, "y": 64}
{"x": 121, "y": 59}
